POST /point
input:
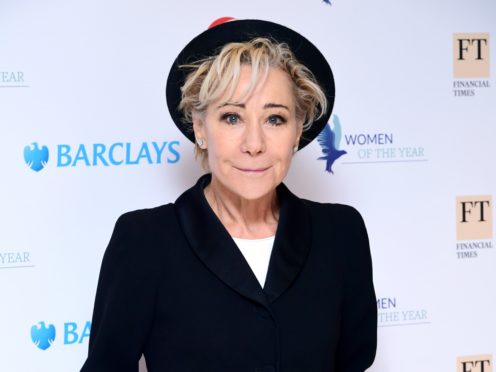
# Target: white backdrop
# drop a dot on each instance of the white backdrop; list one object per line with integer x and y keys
{"x": 88, "y": 75}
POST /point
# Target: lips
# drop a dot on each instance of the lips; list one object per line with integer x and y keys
{"x": 252, "y": 169}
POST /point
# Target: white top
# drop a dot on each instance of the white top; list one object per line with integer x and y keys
{"x": 257, "y": 254}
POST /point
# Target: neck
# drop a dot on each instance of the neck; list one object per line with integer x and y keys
{"x": 248, "y": 219}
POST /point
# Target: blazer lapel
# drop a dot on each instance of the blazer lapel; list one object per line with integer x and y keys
{"x": 291, "y": 245}
{"x": 213, "y": 245}
{"x": 216, "y": 249}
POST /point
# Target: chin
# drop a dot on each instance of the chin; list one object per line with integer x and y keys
{"x": 255, "y": 194}
{"x": 256, "y": 189}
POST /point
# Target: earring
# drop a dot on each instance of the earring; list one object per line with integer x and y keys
{"x": 199, "y": 141}
{"x": 295, "y": 149}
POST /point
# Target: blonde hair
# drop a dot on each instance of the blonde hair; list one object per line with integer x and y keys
{"x": 212, "y": 77}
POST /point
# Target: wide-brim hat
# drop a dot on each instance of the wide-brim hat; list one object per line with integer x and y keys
{"x": 211, "y": 41}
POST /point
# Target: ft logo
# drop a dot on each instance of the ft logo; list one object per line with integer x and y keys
{"x": 478, "y": 363}
{"x": 474, "y": 217}
{"x": 471, "y": 55}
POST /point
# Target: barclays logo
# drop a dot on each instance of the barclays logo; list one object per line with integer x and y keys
{"x": 329, "y": 140}
{"x": 100, "y": 154}
{"x": 36, "y": 157}
{"x": 43, "y": 336}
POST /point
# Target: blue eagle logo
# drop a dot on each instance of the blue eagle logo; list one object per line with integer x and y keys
{"x": 327, "y": 2}
{"x": 43, "y": 336}
{"x": 329, "y": 141}
{"x": 35, "y": 157}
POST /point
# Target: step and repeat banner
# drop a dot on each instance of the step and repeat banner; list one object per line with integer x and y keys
{"x": 86, "y": 136}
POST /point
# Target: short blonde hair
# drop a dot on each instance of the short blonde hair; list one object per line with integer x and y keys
{"x": 212, "y": 77}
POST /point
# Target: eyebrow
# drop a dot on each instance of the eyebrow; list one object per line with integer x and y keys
{"x": 275, "y": 105}
{"x": 242, "y": 105}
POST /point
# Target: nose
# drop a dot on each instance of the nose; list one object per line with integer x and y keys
{"x": 253, "y": 139}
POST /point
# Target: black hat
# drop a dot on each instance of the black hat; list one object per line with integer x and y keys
{"x": 210, "y": 42}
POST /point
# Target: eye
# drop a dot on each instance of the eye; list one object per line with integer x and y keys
{"x": 276, "y": 120}
{"x": 230, "y": 118}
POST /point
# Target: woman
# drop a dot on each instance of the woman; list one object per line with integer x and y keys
{"x": 239, "y": 274}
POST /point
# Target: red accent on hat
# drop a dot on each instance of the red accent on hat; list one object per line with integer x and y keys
{"x": 220, "y": 21}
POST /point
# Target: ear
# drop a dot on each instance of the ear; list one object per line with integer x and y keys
{"x": 299, "y": 130}
{"x": 198, "y": 125}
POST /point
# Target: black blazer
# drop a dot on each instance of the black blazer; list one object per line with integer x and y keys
{"x": 174, "y": 286}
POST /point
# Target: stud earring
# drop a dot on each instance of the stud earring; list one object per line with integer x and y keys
{"x": 199, "y": 141}
{"x": 295, "y": 149}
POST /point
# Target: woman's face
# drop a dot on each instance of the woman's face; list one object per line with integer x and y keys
{"x": 250, "y": 145}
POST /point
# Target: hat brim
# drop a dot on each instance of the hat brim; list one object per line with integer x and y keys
{"x": 210, "y": 42}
